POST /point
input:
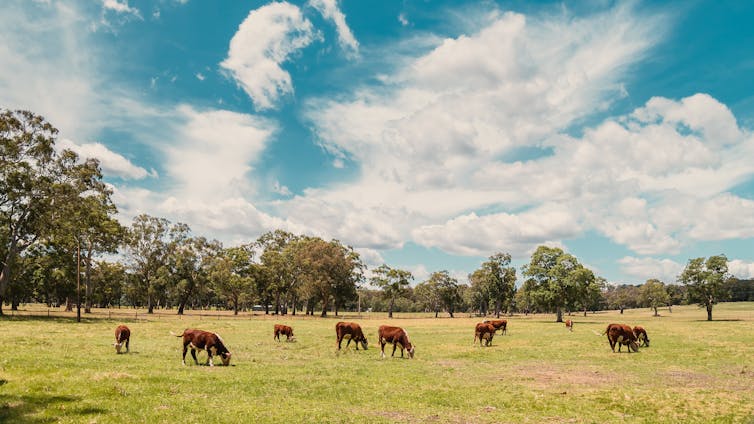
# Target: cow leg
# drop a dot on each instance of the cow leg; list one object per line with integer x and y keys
{"x": 184, "y": 354}
{"x": 393, "y": 354}
{"x": 193, "y": 355}
{"x": 340, "y": 339}
{"x": 209, "y": 358}
{"x": 349, "y": 342}
{"x": 382, "y": 349}
{"x": 127, "y": 340}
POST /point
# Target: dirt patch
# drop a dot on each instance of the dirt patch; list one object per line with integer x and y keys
{"x": 560, "y": 379}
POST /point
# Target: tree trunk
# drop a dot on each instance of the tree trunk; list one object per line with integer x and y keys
{"x": 88, "y": 281}
{"x": 390, "y": 309}
{"x": 325, "y": 305}
{"x": 709, "y": 312}
{"x": 559, "y": 314}
{"x": 498, "y": 306}
{"x": 5, "y": 273}
{"x": 584, "y": 310}
{"x": 656, "y": 314}
{"x": 235, "y": 306}
{"x": 621, "y": 310}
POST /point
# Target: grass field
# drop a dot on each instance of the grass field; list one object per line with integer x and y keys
{"x": 55, "y": 370}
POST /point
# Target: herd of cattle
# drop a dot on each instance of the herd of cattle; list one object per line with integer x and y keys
{"x": 617, "y": 334}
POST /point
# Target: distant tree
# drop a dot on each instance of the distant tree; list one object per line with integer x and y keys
{"x": 707, "y": 281}
{"x": 553, "y": 285}
{"x": 447, "y": 290}
{"x": 478, "y": 294}
{"x": 653, "y": 294}
{"x": 108, "y": 279}
{"x": 146, "y": 253}
{"x": 427, "y": 294}
{"x": 393, "y": 283}
{"x": 231, "y": 277}
{"x": 497, "y": 279}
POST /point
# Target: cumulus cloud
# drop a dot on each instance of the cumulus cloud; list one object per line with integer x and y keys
{"x": 118, "y": 6}
{"x": 266, "y": 39}
{"x": 330, "y": 10}
{"x": 741, "y": 269}
{"x": 645, "y": 268}
{"x": 113, "y": 164}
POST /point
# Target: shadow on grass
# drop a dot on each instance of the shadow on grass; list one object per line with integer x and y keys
{"x": 24, "y": 408}
{"x": 718, "y": 320}
{"x": 60, "y": 320}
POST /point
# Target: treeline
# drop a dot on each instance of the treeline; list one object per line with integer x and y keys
{"x": 57, "y": 223}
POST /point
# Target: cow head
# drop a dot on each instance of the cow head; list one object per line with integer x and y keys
{"x": 117, "y": 347}
{"x": 364, "y": 343}
{"x": 225, "y": 358}
{"x": 633, "y": 346}
{"x": 411, "y": 352}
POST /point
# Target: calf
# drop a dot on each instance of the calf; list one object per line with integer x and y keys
{"x": 641, "y": 336}
{"x": 122, "y": 334}
{"x": 621, "y": 334}
{"x": 284, "y": 330}
{"x": 569, "y": 325}
{"x": 484, "y": 331}
{"x": 499, "y": 324}
{"x": 397, "y": 336}
{"x": 204, "y": 340}
{"x": 350, "y": 331}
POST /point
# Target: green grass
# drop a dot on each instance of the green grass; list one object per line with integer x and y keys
{"x": 54, "y": 370}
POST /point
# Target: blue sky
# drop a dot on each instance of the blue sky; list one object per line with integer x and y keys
{"x": 426, "y": 134}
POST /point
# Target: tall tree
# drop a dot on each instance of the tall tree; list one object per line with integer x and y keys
{"x": 146, "y": 252}
{"x": 428, "y": 295}
{"x": 393, "y": 283}
{"x": 188, "y": 262}
{"x": 553, "y": 285}
{"x": 447, "y": 290}
{"x": 653, "y": 294}
{"x": 707, "y": 281}
{"x": 27, "y": 180}
{"x": 278, "y": 272}
{"x": 499, "y": 279}
{"x": 232, "y": 277}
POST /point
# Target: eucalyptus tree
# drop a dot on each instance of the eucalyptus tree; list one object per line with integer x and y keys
{"x": 478, "y": 293}
{"x": 499, "y": 280}
{"x": 427, "y": 294}
{"x": 277, "y": 277}
{"x": 330, "y": 271}
{"x": 447, "y": 290}
{"x": 186, "y": 269}
{"x": 231, "y": 276}
{"x": 587, "y": 288}
{"x": 146, "y": 253}
{"x": 707, "y": 281}
{"x": 109, "y": 282}
{"x": 27, "y": 179}
{"x": 393, "y": 283}
{"x": 653, "y": 294}
{"x": 554, "y": 278}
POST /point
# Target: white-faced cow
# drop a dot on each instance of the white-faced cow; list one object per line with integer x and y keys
{"x": 350, "y": 331}
{"x": 499, "y": 324}
{"x": 397, "y": 336}
{"x": 484, "y": 331}
{"x": 204, "y": 340}
{"x": 569, "y": 324}
{"x": 122, "y": 335}
{"x": 641, "y": 336}
{"x": 621, "y": 334}
{"x": 284, "y": 330}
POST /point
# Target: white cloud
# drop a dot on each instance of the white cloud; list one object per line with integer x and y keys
{"x": 402, "y": 19}
{"x": 112, "y": 163}
{"x": 280, "y": 189}
{"x": 118, "y": 6}
{"x": 199, "y": 76}
{"x": 646, "y": 268}
{"x": 268, "y": 37}
{"x": 330, "y": 10}
{"x": 741, "y": 269}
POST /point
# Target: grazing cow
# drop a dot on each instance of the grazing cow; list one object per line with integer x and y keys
{"x": 621, "y": 334}
{"x": 397, "y": 336}
{"x": 641, "y": 336}
{"x": 569, "y": 325}
{"x": 499, "y": 324}
{"x": 284, "y": 330}
{"x": 351, "y": 331}
{"x": 122, "y": 334}
{"x": 484, "y": 331}
{"x": 204, "y": 340}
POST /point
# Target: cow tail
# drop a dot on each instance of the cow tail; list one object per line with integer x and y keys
{"x": 175, "y": 335}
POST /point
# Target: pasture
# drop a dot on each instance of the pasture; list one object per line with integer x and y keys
{"x": 55, "y": 370}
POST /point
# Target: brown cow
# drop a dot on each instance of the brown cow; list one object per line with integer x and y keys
{"x": 484, "y": 331}
{"x": 350, "y": 331}
{"x": 284, "y": 330}
{"x": 569, "y": 324}
{"x": 621, "y": 334}
{"x": 122, "y": 334}
{"x": 204, "y": 340}
{"x": 641, "y": 336}
{"x": 397, "y": 336}
{"x": 499, "y": 324}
